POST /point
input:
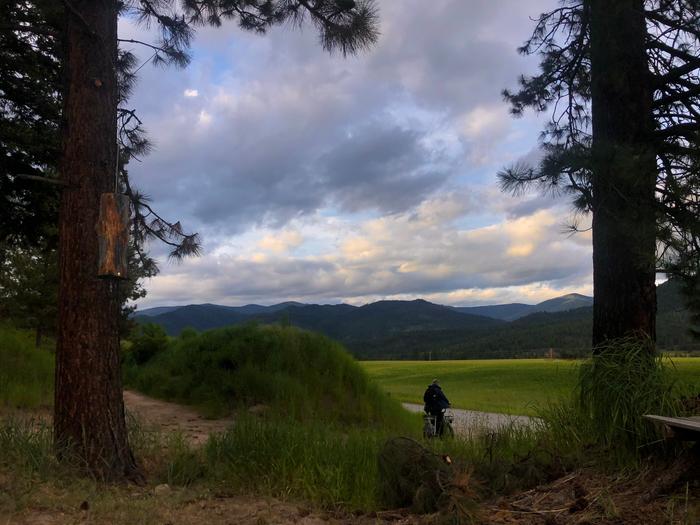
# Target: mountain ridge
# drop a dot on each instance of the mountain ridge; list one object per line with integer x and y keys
{"x": 419, "y": 329}
{"x": 355, "y": 325}
{"x": 552, "y": 305}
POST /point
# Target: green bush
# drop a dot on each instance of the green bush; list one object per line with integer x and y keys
{"x": 297, "y": 374}
{"x": 26, "y": 372}
{"x": 149, "y": 341}
{"x": 624, "y": 380}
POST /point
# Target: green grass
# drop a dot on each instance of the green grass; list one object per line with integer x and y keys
{"x": 326, "y": 465}
{"x": 295, "y": 373}
{"x": 511, "y": 386}
{"x": 686, "y": 370}
{"x": 327, "y": 424}
{"x": 26, "y": 372}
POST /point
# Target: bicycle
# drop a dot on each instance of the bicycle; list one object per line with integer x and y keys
{"x": 430, "y": 425}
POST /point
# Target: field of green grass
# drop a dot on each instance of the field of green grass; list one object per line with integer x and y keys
{"x": 511, "y": 386}
{"x": 332, "y": 415}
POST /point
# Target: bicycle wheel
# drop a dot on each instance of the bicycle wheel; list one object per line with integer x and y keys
{"x": 447, "y": 430}
{"x": 428, "y": 429}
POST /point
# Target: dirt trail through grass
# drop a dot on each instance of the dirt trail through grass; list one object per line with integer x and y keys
{"x": 171, "y": 417}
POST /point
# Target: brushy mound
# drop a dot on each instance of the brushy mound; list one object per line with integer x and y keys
{"x": 294, "y": 373}
{"x": 26, "y": 372}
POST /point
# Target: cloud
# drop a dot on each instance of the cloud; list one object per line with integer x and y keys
{"x": 454, "y": 54}
{"x": 319, "y": 178}
{"x": 281, "y": 242}
{"x": 398, "y": 256}
{"x": 280, "y": 129}
{"x": 382, "y": 167}
{"x": 530, "y": 204}
{"x": 483, "y": 122}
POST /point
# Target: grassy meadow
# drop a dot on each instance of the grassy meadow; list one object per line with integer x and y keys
{"x": 510, "y": 386}
{"x": 328, "y": 422}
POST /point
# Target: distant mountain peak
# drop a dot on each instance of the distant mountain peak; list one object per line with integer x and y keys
{"x": 513, "y": 311}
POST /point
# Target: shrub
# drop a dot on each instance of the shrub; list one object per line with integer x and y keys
{"x": 26, "y": 372}
{"x": 298, "y": 374}
{"x": 149, "y": 341}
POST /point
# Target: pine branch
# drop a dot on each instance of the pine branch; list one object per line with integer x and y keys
{"x": 171, "y": 234}
{"x": 688, "y": 130}
{"x": 673, "y": 51}
{"x": 21, "y": 28}
{"x": 146, "y": 44}
{"x": 39, "y": 178}
{"x": 688, "y": 26}
{"x": 676, "y": 73}
{"x": 679, "y": 96}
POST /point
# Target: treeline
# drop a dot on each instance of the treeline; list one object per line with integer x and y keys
{"x": 563, "y": 334}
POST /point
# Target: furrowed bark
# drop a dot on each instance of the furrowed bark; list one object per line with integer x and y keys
{"x": 624, "y": 173}
{"x": 89, "y": 423}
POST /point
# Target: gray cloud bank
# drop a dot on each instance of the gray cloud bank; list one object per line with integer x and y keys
{"x": 281, "y": 129}
{"x": 264, "y": 133}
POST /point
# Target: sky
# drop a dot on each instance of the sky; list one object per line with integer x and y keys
{"x": 323, "y": 179}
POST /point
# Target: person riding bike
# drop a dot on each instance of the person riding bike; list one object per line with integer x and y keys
{"x": 435, "y": 404}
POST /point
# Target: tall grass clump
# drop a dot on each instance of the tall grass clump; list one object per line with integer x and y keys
{"x": 26, "y": 372}
{"x": 27, "y": 447}
{"x": 324, "y": 464}
{"x": 622, "y": 381}
{"x": 293, "y": 372}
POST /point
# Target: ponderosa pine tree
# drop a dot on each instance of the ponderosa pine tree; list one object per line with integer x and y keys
{"x": 28, "y": 287}
{"x": 31, "y": 49}
{"x": 623, "y": 173}
{"x": 30, "y": 107}
{"x": 621, "y": 82}
{"x": 89, "y": 413}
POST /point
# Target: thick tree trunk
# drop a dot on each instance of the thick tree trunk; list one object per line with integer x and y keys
{"x": 89, "y": 421}
{"x": 624, "y": 173}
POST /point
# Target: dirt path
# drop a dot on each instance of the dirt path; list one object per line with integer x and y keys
{"x": 470, "y": 421}
{"x": 170, "y": 417}
{"x": 163, "y": 504}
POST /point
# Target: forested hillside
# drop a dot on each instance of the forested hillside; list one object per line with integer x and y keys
{"x": 423, "y": 330}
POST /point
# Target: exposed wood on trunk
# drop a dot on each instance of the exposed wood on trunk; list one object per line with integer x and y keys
{"x": 113, "y": 236}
